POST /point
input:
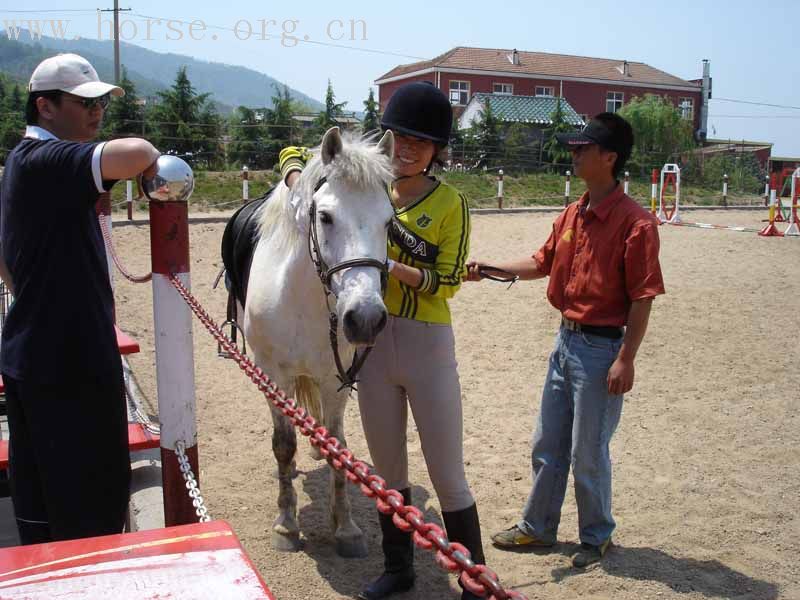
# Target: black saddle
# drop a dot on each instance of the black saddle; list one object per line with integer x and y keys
{"x": 238, "y": 244}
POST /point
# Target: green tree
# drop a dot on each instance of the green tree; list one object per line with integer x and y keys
{"x": 661, "y": 134}
{"x": 279, "y": 119}
{"x": 517, "y": 147}
{"x": 187, "y": 124}
{"x": 16, "y": 101}
{"x": 125, "y": 114}
{"x": 487, "y": 135}
{"x": 12, "y": 117}
{"x": 558, "y": 124}
{"x": 371, "y": 120}
{"x": 328, "y": 117}
{"x": 249, "y": 140}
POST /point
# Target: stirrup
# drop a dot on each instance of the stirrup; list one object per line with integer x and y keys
{"x": 235, "y": 329}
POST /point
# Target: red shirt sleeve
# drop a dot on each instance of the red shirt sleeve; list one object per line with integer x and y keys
{"x": 643, "y": 277}
{"x": 544, "y": 257}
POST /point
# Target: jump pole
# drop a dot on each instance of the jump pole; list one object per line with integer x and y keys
{"x": 670, "y": 174}
{"x": 169, "y": 245}
{"x": 654, "y": 192}
{"x": 770, "y": 230}
{"x": 794, "y": 224}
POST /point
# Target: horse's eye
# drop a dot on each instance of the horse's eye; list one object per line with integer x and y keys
{"x": 325, "y": 218}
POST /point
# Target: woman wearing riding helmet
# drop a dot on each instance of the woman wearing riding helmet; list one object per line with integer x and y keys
{"x": 413, "y": 361}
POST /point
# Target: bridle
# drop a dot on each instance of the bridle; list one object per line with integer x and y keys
{"x": 346, "y": 377}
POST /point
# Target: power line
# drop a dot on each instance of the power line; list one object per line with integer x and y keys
{"x": 51, "y": 10}
{"x": 754, "y": 116}
{"x": 295, "y": 38}
{"x": 757, "y": 103}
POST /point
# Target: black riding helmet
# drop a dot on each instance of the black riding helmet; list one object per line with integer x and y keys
{"x": 420, "y": 110}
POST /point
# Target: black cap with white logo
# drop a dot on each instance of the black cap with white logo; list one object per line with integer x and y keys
{"x": 618, "y": 139}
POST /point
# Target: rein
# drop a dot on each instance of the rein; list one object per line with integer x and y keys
{"x": 347, "y": 377}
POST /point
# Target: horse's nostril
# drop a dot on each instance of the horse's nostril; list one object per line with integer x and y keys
{"x": 349, "y": 321}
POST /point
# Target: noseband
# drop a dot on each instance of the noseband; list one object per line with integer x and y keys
{"x": 346, "y": 377}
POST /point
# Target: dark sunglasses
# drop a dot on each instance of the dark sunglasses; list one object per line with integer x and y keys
{"x": 89, "y": 103}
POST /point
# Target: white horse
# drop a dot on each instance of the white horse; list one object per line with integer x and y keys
{"x": 332, "y": 226}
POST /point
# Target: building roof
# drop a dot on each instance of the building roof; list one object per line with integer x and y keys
{"x": 543, "y": 64}
{"x": 526, "y": 109}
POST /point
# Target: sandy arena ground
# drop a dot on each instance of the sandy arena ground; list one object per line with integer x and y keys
{"x": 706, "y": 456}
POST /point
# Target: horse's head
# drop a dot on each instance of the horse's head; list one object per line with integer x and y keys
{"x": 351, "y": 213}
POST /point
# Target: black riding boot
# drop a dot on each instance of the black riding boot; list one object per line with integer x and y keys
{"x": 464, "y": 527}
{"x": 398, "y": 559}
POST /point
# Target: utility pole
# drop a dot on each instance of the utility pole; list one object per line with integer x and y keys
{"x": 116, "y": 42}
{"x": 116, "y": 11}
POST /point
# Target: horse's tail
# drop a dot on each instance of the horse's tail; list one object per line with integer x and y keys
{"x": 307, "y": 394}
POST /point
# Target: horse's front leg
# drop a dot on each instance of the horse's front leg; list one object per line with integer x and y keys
{"x": 350, "y": 542}
{"x": 285, "y": 531}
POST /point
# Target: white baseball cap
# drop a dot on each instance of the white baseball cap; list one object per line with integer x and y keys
{"x": 72, "y": 74}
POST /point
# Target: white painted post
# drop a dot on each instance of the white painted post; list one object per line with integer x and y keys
{"x": 725, "y": 190}
{"x": 169, "y": 243}
{"x": 654, "y": 191}
{"x": 627, "y": 182}
{"x": 103, "y": 210}
{"x": 245, "y": 185}
{"x": 766, "y": 191}
{"x": 129, "y": 198}
{"x": 566, "y": 189}
{"x": 794, "y": 226}
{"x": 500, "y": 189}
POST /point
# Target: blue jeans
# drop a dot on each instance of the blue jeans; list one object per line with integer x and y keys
{"x": 576, "y": 421}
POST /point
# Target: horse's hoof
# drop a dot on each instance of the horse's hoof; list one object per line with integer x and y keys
{"x": 286, "y": 543}
{"x": 352, "y": 547}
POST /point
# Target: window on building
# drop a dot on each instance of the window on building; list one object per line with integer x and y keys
{"x": 459, "y": 92}
{"x": 686, "y": 106}
{"x": 503, "y": 88}
{"x": 614, "y": 101}
{"x": 545, "y": 91}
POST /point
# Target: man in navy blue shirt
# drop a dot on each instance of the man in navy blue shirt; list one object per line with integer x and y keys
{"x": 69, "y": 463}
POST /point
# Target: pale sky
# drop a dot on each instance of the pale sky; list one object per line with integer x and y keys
{"x": 753, "y": 48}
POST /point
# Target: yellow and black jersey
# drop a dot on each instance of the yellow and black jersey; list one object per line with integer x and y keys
{"x": 432, "y": 234}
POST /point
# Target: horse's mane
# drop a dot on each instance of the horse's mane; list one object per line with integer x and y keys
{"x": 359, "y": 166}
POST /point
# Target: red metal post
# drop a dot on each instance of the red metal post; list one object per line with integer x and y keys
{"x": 169, "y": 242}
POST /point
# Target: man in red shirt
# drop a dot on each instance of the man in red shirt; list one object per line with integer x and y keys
{"x": 602, "y": 259}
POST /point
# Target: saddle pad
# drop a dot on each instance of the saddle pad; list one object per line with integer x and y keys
{"x": 238, "y": 244}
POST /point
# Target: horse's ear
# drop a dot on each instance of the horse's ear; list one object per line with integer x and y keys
{"x": 386, "y": 145}
{"x": 331, "y": 145}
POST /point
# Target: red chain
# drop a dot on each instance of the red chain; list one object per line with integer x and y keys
{"x": 451, "y": 556}
{"x": 115, "y": 258}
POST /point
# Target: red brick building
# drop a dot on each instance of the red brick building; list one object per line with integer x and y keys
{"x": 590, "y": 85}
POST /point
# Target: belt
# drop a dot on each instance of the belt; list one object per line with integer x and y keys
{"x": 613, "y": 333}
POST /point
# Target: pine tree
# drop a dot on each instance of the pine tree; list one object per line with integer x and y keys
{"x": 16, "y": 103}
{"x": 187, "y": 124}
{"x": 328, "y": 117}
{"x": 371, "y": 118}
{"x": 125, "y": 114}
{"x": 250, "y": 145}
{"x": 487, "y": 133}
{"x": 558, "y": 124}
